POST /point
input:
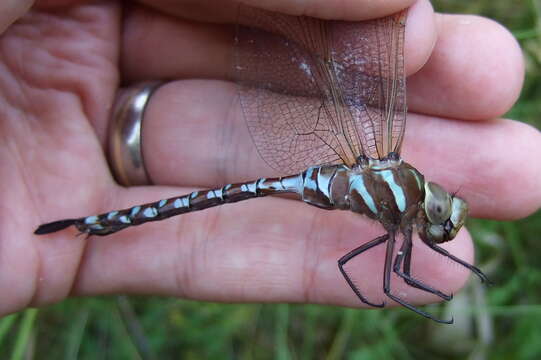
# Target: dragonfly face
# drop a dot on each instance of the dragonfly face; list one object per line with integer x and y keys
{"x": 443, "y": 215}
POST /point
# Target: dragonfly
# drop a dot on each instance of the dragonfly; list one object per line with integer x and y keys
{"x": 325, "y": 101}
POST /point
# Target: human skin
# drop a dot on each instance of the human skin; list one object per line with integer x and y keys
{"x": 60, "y": 67}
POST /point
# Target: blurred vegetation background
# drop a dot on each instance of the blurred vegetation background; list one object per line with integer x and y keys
{"x": 501, "y": 322}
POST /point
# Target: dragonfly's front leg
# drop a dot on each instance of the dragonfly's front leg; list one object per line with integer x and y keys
{"x": 404, "y": 254}
{"x": 350, "y": 255}
{"x": 387, "y": 283}
{"x": 471, "y": 267}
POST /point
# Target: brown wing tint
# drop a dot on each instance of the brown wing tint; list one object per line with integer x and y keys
{"x": 320, "y": 92}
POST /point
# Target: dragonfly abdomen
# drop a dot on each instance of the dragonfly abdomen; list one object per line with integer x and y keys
{"x": 113, "y": 221}
{"x": 382, "y": 193}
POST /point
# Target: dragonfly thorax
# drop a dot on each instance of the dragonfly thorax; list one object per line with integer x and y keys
{"x": 386, "y": 190}
{"x": 390, "y": 191}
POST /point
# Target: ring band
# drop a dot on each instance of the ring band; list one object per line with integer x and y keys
{"x": 125, "y": 150}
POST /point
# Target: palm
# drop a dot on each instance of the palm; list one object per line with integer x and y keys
{"x": 58, "y": 81}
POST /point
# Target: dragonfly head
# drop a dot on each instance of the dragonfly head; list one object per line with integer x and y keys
{"x": 444, "y": 214}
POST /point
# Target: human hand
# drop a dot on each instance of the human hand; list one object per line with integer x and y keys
{"x": 58, "y": 80}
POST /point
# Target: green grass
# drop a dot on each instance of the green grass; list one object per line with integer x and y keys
{"x": 500, "y": 322}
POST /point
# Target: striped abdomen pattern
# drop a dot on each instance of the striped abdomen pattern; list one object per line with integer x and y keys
{"x": 114, "y": 221}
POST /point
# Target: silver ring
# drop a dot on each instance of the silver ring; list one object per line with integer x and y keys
{"x": 125, "y": 150}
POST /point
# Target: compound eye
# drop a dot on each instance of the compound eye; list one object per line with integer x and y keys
{"x": 459, "y": 213}
{"x": 437, "y": 203}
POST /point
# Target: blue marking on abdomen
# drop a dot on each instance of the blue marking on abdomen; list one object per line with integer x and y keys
{"x": 91, "y": 220}
{"x": 324, "y": 183}
{"x": 358, "y": 184}
{"x": 398, "y": 192}
{"x": 309, "y": 183}
{"x": 135, "y": 210}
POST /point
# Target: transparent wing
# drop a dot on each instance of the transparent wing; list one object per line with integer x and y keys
{"x": 320, "y": 92}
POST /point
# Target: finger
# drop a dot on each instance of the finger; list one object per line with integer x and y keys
{"x": 11, "y": 10}
{"x": 261, "y": 250}
{"x": 475, "y": 72}
{"x": 487, "y": 163}
{"x": 226, "y": 12}
{"x": 462, "y": 79}
{"x": 190, "y": 49}
{"x": 342, "y": 10}
{"x": 189, "y": 140}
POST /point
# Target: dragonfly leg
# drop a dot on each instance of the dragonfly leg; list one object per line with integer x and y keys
{"x": 471, "y": 267}
{"x": 387, "y": 284}
{"x": 405, "y": 255}
{"x": 350, "y": 255}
